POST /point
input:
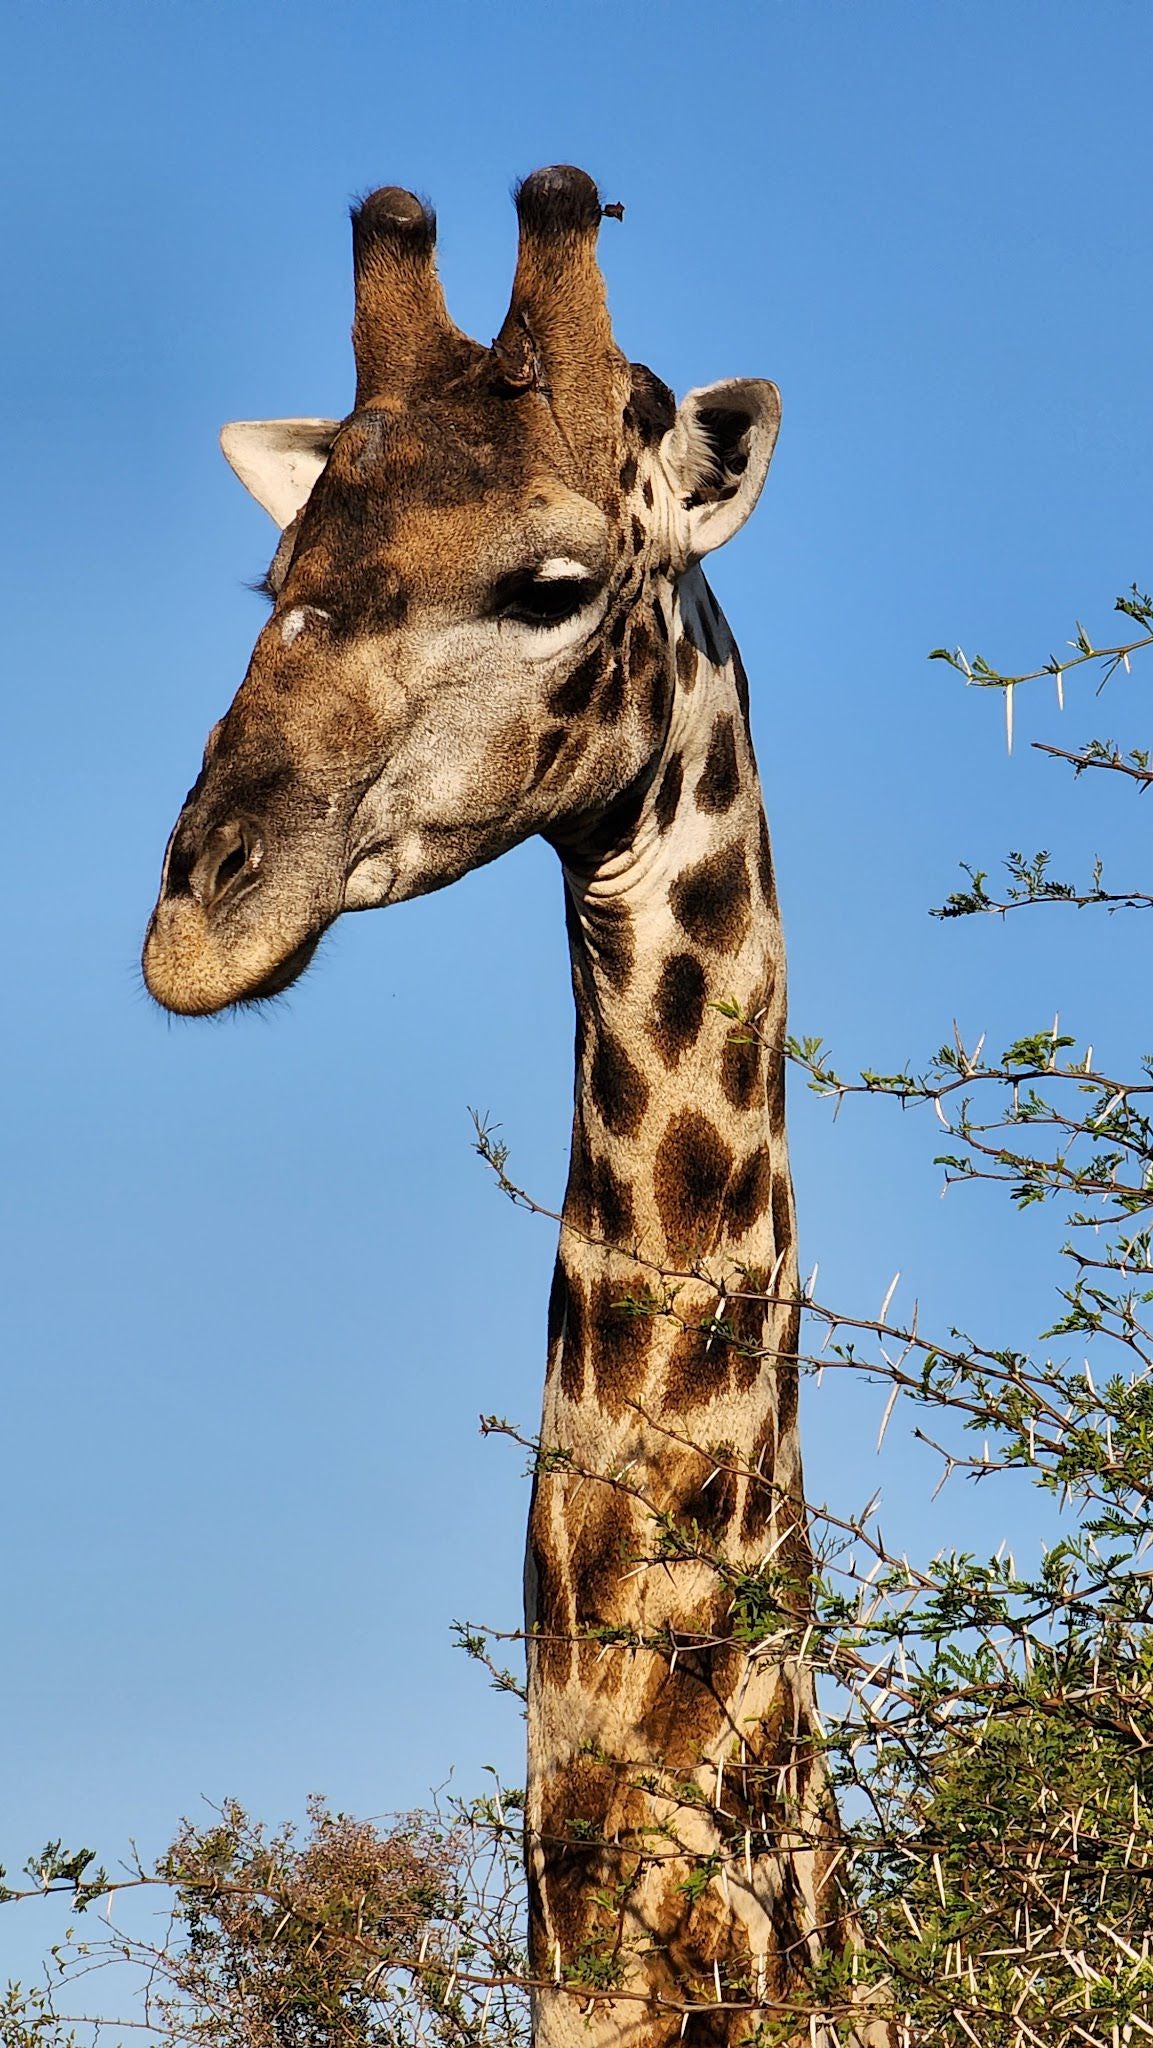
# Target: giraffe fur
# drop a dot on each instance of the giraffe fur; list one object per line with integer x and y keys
{"x": 489, "y": 621}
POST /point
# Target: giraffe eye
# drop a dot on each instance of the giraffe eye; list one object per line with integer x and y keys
{"x": 533, "y": 600}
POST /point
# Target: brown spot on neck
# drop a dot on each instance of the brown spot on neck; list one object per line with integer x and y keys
{"x": 620, "y": 1338}
{"x": 719, "y": 782}
{"x": 711, "y": 900}
{"x": 751, "y": 1193}
{"x": 678, "y": 1007}
{"x": 619, "y": 1090}
{"x": 690, "y": 1179}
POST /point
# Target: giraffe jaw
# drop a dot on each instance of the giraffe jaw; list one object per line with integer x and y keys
{"x": 370, "y": 881}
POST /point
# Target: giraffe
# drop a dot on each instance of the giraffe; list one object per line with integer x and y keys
{"x": 489, "y": 620}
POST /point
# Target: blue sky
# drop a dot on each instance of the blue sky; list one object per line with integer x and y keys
{"x": 257, "y": 1288}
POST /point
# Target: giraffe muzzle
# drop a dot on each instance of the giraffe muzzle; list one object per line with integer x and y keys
{"x": 241, "y": 911}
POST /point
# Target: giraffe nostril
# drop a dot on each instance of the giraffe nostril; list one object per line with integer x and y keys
{"x": 231, "y": 854}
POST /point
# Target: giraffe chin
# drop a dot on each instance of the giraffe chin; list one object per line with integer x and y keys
{"x": 190, "y": 975}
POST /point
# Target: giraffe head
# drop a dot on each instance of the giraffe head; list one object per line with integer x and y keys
{"x": 469, "y": 637}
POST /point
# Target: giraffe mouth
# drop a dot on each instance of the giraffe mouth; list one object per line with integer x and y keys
{"x": 282, "y": 977}
{"x": 242, "y": 908}
{"x": 243, "y": 946}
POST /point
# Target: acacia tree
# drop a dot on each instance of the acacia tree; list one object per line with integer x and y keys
{"x": 989, "y": 1720}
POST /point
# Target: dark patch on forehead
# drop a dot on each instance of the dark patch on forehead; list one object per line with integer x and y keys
{"x": 384, "y": 462}
{"x": 619, "y": 1089}
{"x": 719, "y": 782}
{"x": 628, "y": 472}
{"x": 686, "y": 662}
{"x": 621, "y": 1341}
{"x": 691, "y": 1174}
{"x": 669, "y": 793}
{"x": 431, "y": 454}
{"x": 679, "y": 1007}
{"x": 752, "y": 1190}
{"x": 342, "y": 513}
{"x": 574, "y": 695}
{"x": 638, "y": 534}
{"x": 647, "y": 493}
{"x": 376, "y": 602}
{"x": 711, "y": 900}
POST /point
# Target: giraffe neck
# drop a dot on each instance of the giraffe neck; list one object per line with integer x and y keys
{"x": 636, "y": 1687}
{"x": 679, "y": 1140}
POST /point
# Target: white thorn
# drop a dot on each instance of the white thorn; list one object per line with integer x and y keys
{"x": 889, "y": 1407}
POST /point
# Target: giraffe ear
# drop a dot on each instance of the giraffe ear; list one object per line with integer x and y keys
{"x": 278, "y": 461}
{"x": 716, "y": 455}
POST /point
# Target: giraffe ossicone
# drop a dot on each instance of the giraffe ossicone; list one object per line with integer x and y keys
{"x": 489, "y": 621}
